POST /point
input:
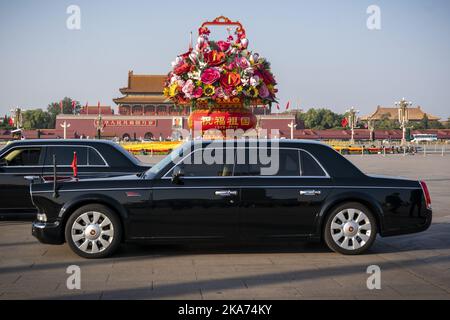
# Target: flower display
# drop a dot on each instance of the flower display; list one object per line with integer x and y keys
{"x": 221, "y": 71}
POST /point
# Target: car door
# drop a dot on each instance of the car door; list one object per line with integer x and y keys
{"x": 15, "y": 164}
{"x": 285, "y": 204}
{"x": 90, "y": 164}
{"x": 203, "y": 205}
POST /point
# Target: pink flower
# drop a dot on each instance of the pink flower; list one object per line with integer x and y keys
{"x": 198, "y": 92}
{"x": 223, "y": 46}
{"x": 211, "y": 75}
{"x": 188, "y": 88}
{"x": 264, "y": 91}
{"x": 242, "y": 62}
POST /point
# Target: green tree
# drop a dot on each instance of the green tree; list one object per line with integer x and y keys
{"x": 36, "y": 119}
{"x": 54, "y": 109}
{"x": 385, "y": 123}
{"x": 320, "y": 119}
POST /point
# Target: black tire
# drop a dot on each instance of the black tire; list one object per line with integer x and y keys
{"x": 112, "y": 229}
{"x": 354, "y": 237}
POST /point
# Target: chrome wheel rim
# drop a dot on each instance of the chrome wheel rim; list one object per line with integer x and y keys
{"x": 92, "y": 232}
{"x": 351, "y": 229}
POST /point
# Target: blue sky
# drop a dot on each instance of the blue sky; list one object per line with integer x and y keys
{"x": 321, "y": 51}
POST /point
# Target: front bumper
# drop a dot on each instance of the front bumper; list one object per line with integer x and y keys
{"x": 48, "y": 233}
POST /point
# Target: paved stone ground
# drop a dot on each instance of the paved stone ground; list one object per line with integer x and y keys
{"x": 413, "y": 267}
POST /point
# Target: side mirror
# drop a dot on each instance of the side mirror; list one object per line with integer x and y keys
{"x": 177, "y": 175}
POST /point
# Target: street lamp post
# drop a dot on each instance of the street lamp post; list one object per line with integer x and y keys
{"x": 352, "y": 120}
{"x": 371, "y": 128}
{"x": 403, "y": 117}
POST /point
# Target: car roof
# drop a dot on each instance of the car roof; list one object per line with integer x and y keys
{"x": 59, "y": 142}
{"x": 279, "y": 141}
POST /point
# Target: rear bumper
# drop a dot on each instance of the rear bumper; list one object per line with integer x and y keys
{"x": 48, "y": 233}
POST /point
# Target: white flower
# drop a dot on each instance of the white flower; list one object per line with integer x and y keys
{"x": 254, "y": 81}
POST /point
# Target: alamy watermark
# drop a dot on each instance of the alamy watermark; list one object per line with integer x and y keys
{"x": 374, "y": 19}
{"x": 374, "y": 280}
{"x": 73, "y": 282}
{"x": 73, "y": 21}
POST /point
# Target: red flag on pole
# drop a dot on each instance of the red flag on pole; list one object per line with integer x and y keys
{"x": 61, "y": 106}
{"x": 278, "y": 107}
{"x": 11, "y": 121}
{"x": 74, "y": 165}
{"x": 344, "y": 123}
{"x": 288, "y": 105}
{"x": 73, "y": 105}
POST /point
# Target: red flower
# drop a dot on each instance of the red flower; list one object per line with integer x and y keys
{"x": 211, "y": 75}
{"x": 215, "y": 58}
{"x": 223, "y": 46}
{"x": 230, "y": 80}
{"x": 266, "y": 76}
{"x": 182, "y": 69}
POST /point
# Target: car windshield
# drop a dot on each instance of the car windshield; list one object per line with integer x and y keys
{"x": 174, "y": 155}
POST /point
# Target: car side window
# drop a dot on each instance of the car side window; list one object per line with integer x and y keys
{"x": 310, "y": 167}
{"x": 21, "y": 157}
{"x": 94, "y": 158}
{"x": 285, "y": 163}
{"x": 64, "y": 155}
{"x": 196, "y": 165}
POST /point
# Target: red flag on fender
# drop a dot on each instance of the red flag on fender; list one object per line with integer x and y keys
{"x": 344, "y": 123}
{"x": 74, "y": 165}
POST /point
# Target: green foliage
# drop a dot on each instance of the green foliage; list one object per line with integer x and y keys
{"x": 54, "y": 109}
{"x": 321, "y": 119}
{"x": 4, "y": 123}
{"x": 36, "y": 119}
{"x": 426, "y": 123}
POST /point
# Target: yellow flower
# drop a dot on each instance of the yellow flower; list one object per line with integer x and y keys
{"x": 253, "y": 92}
{"x": 198, "y": 83}
{"x": 166, "y": 91}
{"x": 209, "y": 90}
{"x": 173, "y": 90}
{"x": 239, "y": 89}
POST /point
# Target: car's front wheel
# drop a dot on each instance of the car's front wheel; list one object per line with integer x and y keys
{"x": 350, "y": 229}
{"x": 93, "y": 231}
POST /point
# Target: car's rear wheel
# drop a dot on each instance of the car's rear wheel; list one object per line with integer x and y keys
{"x": 93, "y": 231}
{"x": 350, "y": 229}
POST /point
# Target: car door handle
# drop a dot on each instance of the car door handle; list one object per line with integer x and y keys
{"x": 226, "y": 193}
{"x": 310, "y": 192}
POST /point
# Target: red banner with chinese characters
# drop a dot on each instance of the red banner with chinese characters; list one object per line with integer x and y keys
{"x": 127, "y": 123}
{"x": 222, "y": 119}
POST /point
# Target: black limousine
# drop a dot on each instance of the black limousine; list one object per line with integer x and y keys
{"x": 238, "y": 190}
{"x": 27, "y": 160}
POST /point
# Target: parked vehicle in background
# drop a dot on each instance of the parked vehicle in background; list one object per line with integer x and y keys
{"x": 421, "y": 138}
{"x": 307, "y": 191}
{"x": 21, "y": 162}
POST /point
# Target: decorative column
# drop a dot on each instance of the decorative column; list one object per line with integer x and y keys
{"x": 65, "y": 126}
{"x": 292, "y": 126}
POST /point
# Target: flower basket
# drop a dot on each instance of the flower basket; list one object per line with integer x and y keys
{"x": 217, "y": 76}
